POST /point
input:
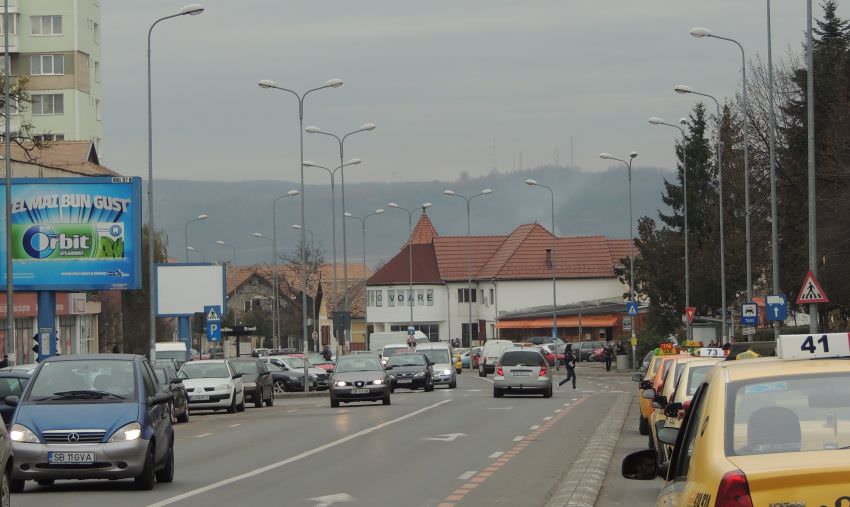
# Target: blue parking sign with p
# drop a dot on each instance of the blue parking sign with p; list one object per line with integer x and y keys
{"x": 213, "y": 319}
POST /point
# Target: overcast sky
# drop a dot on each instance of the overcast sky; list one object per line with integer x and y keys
{"x": 444, "y": 80}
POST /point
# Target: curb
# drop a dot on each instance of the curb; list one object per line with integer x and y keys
{"x": 581, "y": 485}
{"x": 311, "y": 394}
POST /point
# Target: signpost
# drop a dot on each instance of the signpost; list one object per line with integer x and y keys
{"x": 776, "y": 307}
{"x": 213, "y": 318}
{"x": 811, "y": 291}
{"x": 749, "y": 315}
{"x": 690, "y": 311}
{"x": 632, "y": 311}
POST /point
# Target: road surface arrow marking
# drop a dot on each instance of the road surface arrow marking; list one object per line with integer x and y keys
{"x": 451, "y": 437}
{"x": 328, "y": 500}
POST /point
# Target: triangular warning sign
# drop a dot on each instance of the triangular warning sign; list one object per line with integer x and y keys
{"x": 690, "y": 311}
{"x": 212, "y": 315}
{"x": 811, "y": 291}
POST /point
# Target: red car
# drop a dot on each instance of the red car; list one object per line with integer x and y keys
{"x": 316, "y": 359}
{"x": 548, "y": 354}
{"x": 475, "y": 355}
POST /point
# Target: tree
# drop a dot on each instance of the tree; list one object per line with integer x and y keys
{"x": 136, "y": 303}
{"x": 22, "y": 135}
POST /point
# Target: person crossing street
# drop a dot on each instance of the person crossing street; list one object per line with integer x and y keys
{"x": 570, "y": 365}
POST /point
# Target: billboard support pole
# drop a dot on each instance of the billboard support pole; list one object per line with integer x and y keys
{"x": 11, "y": 356}
{"x": 46, "y": 323}
{"x": 184, "y": 332}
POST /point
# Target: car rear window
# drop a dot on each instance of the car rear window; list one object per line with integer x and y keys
{"x": 406, "y": 359}
{"x": 437, "y": 355}
{"x": 696, "y": 377}
{"x": 788, "y": 414}
{"x": 522, "y": 358}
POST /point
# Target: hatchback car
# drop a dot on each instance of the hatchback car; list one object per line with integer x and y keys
{"x": 440, "y": 354}
{"x": 170, "y": 382}
{"x": 257, "y": 379}
{"x": 410, "y": 371}
{"x": 92, "y": 417}
{"x": 359, "y": 378}
{"x": 522, "y": 371}
{"x": 213, "y": 384}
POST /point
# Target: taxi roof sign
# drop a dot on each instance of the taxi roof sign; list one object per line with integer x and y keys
{"x": 711, "y": 352}
{"x": 813, "y": 346}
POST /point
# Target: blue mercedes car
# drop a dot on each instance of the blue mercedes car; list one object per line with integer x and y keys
{"x": 97, "y": 416}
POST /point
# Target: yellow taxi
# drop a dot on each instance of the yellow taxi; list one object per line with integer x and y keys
{"x": 771, "y": 432}
{"x": 458, "y": 361}
{"x": 659, "y": 399}
{"x": 658, "y": 368}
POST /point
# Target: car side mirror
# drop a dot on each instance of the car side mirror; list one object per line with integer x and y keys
{"x": 237, "y": 375}
{"x": 637, "y": 377}
{"x": 158, "y": 399}
{"x": 672, "y": 409}
{"x": 648, "y": 394}
{"x": 12, "y": 401}
{"x": 645, "y": 384}
{"x": 668, "y": 435}
{"x": 641, "y": 465}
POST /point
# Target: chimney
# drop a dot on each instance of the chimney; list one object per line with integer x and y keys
{"x": 549, "y": 258}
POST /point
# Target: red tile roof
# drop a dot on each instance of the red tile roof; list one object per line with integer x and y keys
{"x": 424, "y": 231}
{"x": 73, "y": 156}
{"x": 397, "y": 270}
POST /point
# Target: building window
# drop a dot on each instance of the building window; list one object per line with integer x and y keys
{"x": 390, "y": 297}
{"x": 47, "y": 65}
{"x": 46, "y": 138}
{"x": 97, "y": 113}
{"x": 13, "y": 24}
{"x": 97, "y": 72}
{"x": 379, "y": 298}
{"x": 48, "y": 104}
{"x": 492, "y": 296}
{"x": 246, "y": 305}
{"x": 463, "y": 295}
{"x": 96, "y": 30}
{"x": 46, "y": 25}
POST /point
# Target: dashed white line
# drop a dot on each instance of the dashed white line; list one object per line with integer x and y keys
{"x": 574, "y": 399}
{"x": 235, "y": 425}
{"x": 293, "y": 410}
{"x": 547, "y": 417}
{"x": 519, "y": 438}
{"x": 467, "y": 475}
{"x": 566, "y": 404}
{"x": 535, "y": 427}
{"x": 558, "y": 410}
{"x": 496, "y": 454}
{"x": 473, "y": 390}
{"x": 202, "y": 435}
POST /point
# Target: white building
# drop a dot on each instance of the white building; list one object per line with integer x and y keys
{"x": 509, "y": 273}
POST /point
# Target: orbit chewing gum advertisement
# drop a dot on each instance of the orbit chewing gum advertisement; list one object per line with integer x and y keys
{"x": 75, "y": 233}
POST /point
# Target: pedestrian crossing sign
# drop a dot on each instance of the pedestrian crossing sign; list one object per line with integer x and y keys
{"x": 212, "y": 315}
{"x": 811, "y": 291}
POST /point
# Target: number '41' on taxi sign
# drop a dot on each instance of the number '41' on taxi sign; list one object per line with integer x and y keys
{"x": 813, "y": 346}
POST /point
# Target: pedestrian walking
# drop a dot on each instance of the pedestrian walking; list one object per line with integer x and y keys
{"x": 607, "y": 355}
{"x": 570, "y": 365}
{"x": 326, "y": 353}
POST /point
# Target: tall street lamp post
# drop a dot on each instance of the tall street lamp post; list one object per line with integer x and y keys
{"x": 366, "y": 127}
{"x": 452, "y": 193}
{"x": 632, "y": 296}
{"x": 186, "y": 229}
{"x": 191, "y": 10}
{"x": 774, "y": 211}
{"x": 682, "y": 89}
{"x": 701, "y": 32}
{"x": 201, "y": 253}
{"x": 314, "y": 264}
{"x": 269, "y": 84}
{"x": 681, "y": 127}
{"x": 275, "y": 282}
{"x": 363, "y": 233}
{"x": 534, "y": 183}
{"x": 409, "y": 212}
{"x": 9, "y": 339}
{"x": 332, "y": 174}
{"x": 810, "y": 124}
{"x": 233, "y": 251}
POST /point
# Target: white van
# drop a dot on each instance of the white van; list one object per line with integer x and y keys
{"x": 490, "y": 354}
{"x": 440, "y": 353}
{"x": 172, "y": 350}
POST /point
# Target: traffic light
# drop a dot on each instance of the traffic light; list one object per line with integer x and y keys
{"x": 36, "y": 348}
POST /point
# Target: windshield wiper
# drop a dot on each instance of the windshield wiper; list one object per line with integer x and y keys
{"x": 85, "y": 394}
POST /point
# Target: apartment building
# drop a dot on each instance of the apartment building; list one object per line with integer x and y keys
{"x": 55, "y": 45}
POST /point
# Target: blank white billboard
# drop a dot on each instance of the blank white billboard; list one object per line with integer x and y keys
{"x": 183, "y": 289}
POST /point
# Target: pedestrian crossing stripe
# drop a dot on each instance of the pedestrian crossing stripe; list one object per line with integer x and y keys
{"x": 212, "y": 315}
{"x": 811, "y": 291}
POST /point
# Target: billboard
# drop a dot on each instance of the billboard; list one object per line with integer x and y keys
{"x": 71, "y": 234}
{"x": 184, "y": 289}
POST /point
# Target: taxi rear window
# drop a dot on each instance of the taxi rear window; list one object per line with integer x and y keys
{"x": 788, "y": 414}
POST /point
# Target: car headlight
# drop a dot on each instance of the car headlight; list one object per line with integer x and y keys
{"x": 127, "y": 433}
{"x": 378, "y": 382}
{"x": 21, "y": 433}
{"x": 447, "y": 372}
{"x": 222, "y": 387}
{"x": 340, "y": 384}
{"x": 420, "y": 374}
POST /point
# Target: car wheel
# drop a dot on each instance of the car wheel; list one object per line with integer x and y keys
{"x": 16, "y": 485}
{"x": 279, "y": 387}
{"x": 241, "y": 406}
{"x": 386, "y": 399}
{"x": 166, "y": 473}
{"x": 497, "y": 393}
{"x": 643, "y": 426}
{"x": 258, "y": 399}
{"x": 145, "y": 480}
{"x": 270, "y": 401}
{"x": 453, "y": 384}
{"x": 429, "y": 386}
{"x": 184, "y": 417}
{"x": 334, "y": 402}
{"x": 232, "y": 408}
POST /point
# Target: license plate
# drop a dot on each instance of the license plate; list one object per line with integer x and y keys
{"x": 520, "y": 373}
{"x": 405, "y": 381}
{"x": 200, "y": 397}
{"x": 71, "y": 458}
{"x": 359, "y": 391}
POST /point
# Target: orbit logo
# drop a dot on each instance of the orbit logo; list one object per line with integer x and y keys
{"x": 57, "y": 241}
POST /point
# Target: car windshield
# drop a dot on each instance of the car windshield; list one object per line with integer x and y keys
{"x": 788, "y": 414}
{"x": 294, "y": 362}
{"x": 406, "y": 360}
{"x": 349, "y": 364}
{"x": 11, "y": 386}
{"x": 245, "y": 367}
{"x": 204, "y": 370}
{"x": 89, "y": 380}
{"x": 437, "y": 355}
{"x": 521, "y": 358}
{"x": 177, "y": 355}
{"x": 317, "y": 359}
{"x": 696, "y": 378}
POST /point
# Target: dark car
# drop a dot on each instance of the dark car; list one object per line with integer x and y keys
{"x": 257, "y": 379}
{"x": 170, "y": 382}
{"x": 584, "y": 350}
{"x": 291, "y": 374}
{"x": 410, "y": 371}
{"x": 360, "y": 378}
{"x": 98, "y": 416}
{"x": 12, "y": 383}
{"x": 282, "y": 381}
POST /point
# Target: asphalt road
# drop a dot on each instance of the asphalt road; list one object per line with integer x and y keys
{"x": 448, "y": 447}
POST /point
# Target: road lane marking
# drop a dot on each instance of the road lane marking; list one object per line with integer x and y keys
{"x": 547, "y": 417}
{"x": 292, "y": 459}
{"x": 566, "y": 404}
{"x": 519, "y": 438}
{"x": 202, "y": 435}
{"x": 495, "y": 455}
{"x": 293, "y": 410}
{"x": 450, "y": 437}
{"x": 235, "y": 425}
{"x": 500, "y": 408}
{"x": 535, "y": 427}
{"x": 467, "y": 475}
{"x": 474, "y": 390}
{"x": 558, "y": 410}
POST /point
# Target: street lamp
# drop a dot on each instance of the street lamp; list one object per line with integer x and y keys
{"x": 632, "y": 298}
{"x": 535, "y": 183}
{"x": 315, "y": 264}
{"x": 191, "y": 10}
{"x": 363, "y": 227}
{"x": 683, "y": 89}
{"x": 196, "y": 219}
{"x": 682, "y": 122}
{"x": 193, "y": 249}
{"x": 366, "y": 127}
{"x": 409, "y": 253}
{"x": 702, "y": 32}
{"x": 452, "y": 193}
{"x": 332, "y": 174}
{"x": 233, "y": 256}
{"x": 269, "y": 84}
{"x": 276, "y": 303}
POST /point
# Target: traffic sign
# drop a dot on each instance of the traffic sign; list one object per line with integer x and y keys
{"x": 631, "y": 308}
{"x": 749, "y": 314}
{"x": 315, "y": 335}
{"x": 811, "y": 291}
{"x": 776, "y": 307}
{"x": 213, "y": 314}
{"x": 690, "y": 311}
{"x": 411, "y": 330}
{"x": 748, "y": 330}
{"x": 627, "y": 323}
